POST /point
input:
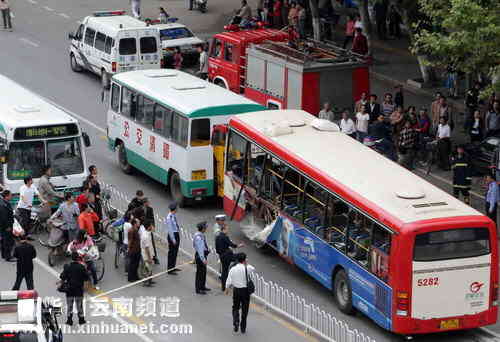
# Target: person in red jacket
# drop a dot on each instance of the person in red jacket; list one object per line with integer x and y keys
{"x": 360, "y": 43}
{"x": 87, "y": 218}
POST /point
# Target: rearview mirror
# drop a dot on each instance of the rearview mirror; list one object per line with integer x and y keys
{"x": 86, "y": 139}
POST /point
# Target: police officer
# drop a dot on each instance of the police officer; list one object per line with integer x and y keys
{"x": 461, "y": 174}
{"x": 223, "y": 245}
{"x": 173, "y": 238}
{"x": 202, "y": 251}
{"x": 220, "y": 221}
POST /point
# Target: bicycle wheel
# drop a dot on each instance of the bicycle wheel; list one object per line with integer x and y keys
{"x": 99, "y": 268}
{"x": 118, "y": 250}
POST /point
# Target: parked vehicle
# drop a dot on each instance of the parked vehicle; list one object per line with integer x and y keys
{"x": 482, "y": 154}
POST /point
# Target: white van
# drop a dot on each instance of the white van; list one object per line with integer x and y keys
{"x": 110, "y": 42}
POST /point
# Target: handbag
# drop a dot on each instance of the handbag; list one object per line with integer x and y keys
{"x": 250, "y": 284}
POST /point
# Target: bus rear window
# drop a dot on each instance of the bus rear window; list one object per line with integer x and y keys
{"x": 200, "y": 132}
{"x": 148, "y": 45}
{"x": 127, "y": 46}
{"x": 451, "y": 244}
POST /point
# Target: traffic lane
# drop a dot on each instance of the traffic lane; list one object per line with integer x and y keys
{"x": 45, "y": 284}
{"x": 196, "y": 316}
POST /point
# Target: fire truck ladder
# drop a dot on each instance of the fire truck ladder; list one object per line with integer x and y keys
{"x": 243, "y": 73}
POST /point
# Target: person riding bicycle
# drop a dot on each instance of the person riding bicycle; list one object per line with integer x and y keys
{"x": 84, "y": 246}
{"x": 46, "y": 189}
{"x": 68, "y": 211}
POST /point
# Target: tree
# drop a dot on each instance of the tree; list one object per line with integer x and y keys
{"x": 463, "y": 34}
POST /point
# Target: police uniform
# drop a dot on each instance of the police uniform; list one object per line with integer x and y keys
{"x": 202, "y": 251}
{"x": 223, "y": 245}
{"x": 461, "y": 176}
{"x": 173, "y": 238}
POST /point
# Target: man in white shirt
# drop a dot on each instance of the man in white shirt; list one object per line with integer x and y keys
{"x": 326, "y": 113}
{"x": 347, "y": 125}
{"x": 362, "y": 120}
{"x": 147, "y": 252}
{"x": 444, "y": 144}
{"x": 27, "y": 194}
{"x": 203, "y": 71}
{"x": 237, "y": 279}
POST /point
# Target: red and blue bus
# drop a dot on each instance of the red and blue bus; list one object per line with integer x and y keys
{"x": 386, "y": 242}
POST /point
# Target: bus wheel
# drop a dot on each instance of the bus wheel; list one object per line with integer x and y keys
{"x": 122, "y": 159}
{"x": 343, "y": 293}
{"x": 175, "y": 190}
{"x": 105, "y": 79}
{"x": 74, "y": 64}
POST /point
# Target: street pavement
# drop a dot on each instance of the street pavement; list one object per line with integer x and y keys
{"x": 36, "y": 56}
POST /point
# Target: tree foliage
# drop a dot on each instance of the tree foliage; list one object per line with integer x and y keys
{"x": 463, "y": 34}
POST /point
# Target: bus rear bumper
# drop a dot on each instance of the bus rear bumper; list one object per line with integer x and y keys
{"x": 411, "y": 326}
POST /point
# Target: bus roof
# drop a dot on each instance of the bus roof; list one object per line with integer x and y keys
{"x": 186, "y": 93}
{"x": 375, "y": 184}
{"x": 20, "y": 107}
{"x": 110, "y": 25}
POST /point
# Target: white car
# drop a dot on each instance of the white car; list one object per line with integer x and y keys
{"x": 173, "y": 35}
{"x": 24, "y": 317}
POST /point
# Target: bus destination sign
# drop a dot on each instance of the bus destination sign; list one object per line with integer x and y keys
{"x": 41, "y": 132}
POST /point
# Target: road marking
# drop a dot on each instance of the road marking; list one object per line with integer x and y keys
{"x": 48, "y": 8}
{"x": 29, "y": 42}
{"x": 120, "y": 320}
{"x": 64, "y": 15}
{"x": 33, "y": 2}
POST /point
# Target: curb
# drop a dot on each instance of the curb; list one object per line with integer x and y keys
{"x": 459, "y": 106}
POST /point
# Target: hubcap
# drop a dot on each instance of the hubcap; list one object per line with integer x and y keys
{"x": 343, "y": 292}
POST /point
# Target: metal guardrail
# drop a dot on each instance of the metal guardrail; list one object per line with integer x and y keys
{"x": 269, "y": 294}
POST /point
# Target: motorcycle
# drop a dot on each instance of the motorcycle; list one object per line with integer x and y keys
{"x": 201, "y": 5}
{"x": 56, "y": 241}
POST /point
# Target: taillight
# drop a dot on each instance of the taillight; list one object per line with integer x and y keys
{"x": 28, "y": 294}
{"x": 402, "y": 303}
{"x": 113, "y": 67}
{"x": 198, "y": 192}
{"x": 494, "y": 294}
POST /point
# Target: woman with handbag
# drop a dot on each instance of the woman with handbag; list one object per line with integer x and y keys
{"x": 239, "y": 279}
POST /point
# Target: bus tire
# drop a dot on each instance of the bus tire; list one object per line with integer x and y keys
{"x": 121, "y": 156}
{"x": 176, "y": 191}
{"x": 74, "y": 64}
{"x": 343, "y": 292}
{"x": 105, "y": 82}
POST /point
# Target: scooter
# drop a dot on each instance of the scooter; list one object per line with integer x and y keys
{"x": 201, "y": 5}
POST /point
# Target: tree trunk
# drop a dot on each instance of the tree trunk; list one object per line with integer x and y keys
{"x": 315, "y": 19}
{"x": 365, "y": 19}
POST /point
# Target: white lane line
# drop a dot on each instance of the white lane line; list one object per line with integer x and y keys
{"x": 29, "y": 42}
{"x": 33, "y": 2}
{"x": 48, "y": 8}
{"x": 64, "y": 15}
{"x": 117, "y": 318}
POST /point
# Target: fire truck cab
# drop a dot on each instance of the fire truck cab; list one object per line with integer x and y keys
{"x": 228, "y": 51}
{"x": 268, "y": 68}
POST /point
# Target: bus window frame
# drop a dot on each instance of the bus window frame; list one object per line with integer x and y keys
{"x": 118, "y": 111}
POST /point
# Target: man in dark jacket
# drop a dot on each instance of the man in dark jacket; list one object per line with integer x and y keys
{"x": 373, "y": 108}
{"x": 136, "y": 201}
{"x": 25, "y": 253}
{"x": 461, "y": 174}
{"x": 76, "y": 275}
{"x": 223, "y": 245}
{"x": 6, "y": 223}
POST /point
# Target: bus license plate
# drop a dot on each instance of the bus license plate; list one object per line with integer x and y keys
{"x": 449, "y": 324}
{"x": 199, "y": 175}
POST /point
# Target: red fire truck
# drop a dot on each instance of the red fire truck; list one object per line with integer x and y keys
{"x": 263, "y": 65}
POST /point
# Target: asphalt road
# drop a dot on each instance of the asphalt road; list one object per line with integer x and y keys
{"x": 36, "y": 56}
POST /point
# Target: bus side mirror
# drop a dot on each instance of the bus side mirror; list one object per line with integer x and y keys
{"x": 86, "y": 139}
{"x": 3, "y": 154}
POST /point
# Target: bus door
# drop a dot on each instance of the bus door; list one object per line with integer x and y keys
{"x": 219, "y": 134}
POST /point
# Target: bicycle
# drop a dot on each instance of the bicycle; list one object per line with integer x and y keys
{"x": 40, "y": 214}
{"x": 110, "y": 213}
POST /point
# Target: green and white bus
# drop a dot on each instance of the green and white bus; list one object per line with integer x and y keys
{"x": 35, "y": 132}
{"x": 160, "y": 123}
